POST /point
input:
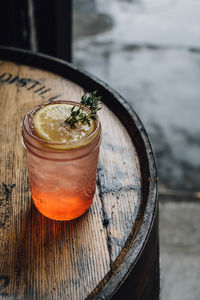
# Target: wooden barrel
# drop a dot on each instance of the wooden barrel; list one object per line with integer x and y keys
{"x": 112, "y": 250}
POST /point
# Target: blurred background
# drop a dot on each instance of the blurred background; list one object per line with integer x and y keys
{"x": 149, "y": 52}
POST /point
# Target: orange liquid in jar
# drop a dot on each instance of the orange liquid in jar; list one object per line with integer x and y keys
{"x": 62, "y": 176}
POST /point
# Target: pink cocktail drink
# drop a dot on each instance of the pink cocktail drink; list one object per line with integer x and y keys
{"x": 62, "y": 176}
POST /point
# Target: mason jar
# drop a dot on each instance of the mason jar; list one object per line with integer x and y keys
{"x": 62, "y": 181}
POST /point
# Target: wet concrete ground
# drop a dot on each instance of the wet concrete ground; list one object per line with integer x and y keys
{"x": 149, "y": 51}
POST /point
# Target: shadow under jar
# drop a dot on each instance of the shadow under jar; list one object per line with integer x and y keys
{"x": 62, "y": 181}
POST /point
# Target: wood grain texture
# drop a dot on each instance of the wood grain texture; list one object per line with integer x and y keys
{"x": 112, "y": 247}
{"x": 47, "y": 259}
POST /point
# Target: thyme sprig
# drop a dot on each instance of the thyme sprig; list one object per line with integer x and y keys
{"x": 91, "y": 101}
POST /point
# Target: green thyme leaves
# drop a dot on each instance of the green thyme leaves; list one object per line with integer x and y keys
{"x": 91, "y": 101}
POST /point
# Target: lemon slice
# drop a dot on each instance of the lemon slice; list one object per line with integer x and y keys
{"x": 49, "y": 124}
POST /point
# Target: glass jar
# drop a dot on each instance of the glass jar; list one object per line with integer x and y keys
{"x": 62, "y": 181}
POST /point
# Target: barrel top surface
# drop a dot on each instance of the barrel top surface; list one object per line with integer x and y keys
{"x": 90, "y": 256}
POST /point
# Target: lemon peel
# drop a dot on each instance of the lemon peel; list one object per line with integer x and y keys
{"x": 50, "y": 126}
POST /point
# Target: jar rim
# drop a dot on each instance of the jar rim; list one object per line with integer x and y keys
{"x": 51, "y": 145}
